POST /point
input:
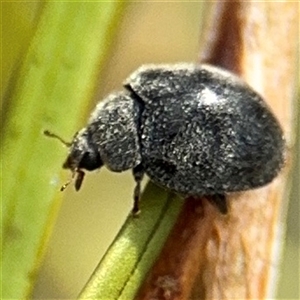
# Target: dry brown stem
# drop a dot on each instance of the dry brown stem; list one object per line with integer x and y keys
{"x": 174, "y": 273}
{"x": 234, "y": 257}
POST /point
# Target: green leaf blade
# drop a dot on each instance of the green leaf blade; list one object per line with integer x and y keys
{"x": 56, "y": 79}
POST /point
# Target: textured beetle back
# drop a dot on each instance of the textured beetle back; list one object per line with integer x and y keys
{"x": 204, "y": 131}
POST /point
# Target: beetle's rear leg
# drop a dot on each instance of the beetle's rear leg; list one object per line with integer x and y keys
{"x": 220, "y": 201}
{"x": 138, "y": 174}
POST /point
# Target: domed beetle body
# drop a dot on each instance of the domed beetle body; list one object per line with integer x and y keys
{"x": 197, "y": 130}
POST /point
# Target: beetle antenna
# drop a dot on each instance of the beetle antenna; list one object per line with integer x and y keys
{"x": 63, "y": 187}
{"x": 78, "y": 181}
{"x": 53, "y": 135}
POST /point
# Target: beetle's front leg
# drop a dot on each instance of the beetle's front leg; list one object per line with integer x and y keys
{"x": 138, "y": 174}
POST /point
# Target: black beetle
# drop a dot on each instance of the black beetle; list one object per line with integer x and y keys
{"x": 197, "y": 130}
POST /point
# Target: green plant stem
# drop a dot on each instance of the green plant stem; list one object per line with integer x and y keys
{"x": 123, "y": 268}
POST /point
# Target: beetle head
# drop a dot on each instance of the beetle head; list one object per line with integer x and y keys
{"x": 82, "y": 155}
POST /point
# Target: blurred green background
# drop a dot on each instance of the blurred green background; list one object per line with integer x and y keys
{"x": 149, "y": 32}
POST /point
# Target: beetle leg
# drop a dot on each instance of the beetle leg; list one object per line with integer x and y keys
{"x": 220, "y": 201}
{"x": 138, "y": 174}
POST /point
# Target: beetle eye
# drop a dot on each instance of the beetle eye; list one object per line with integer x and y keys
{"x": 90, "y": 161}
